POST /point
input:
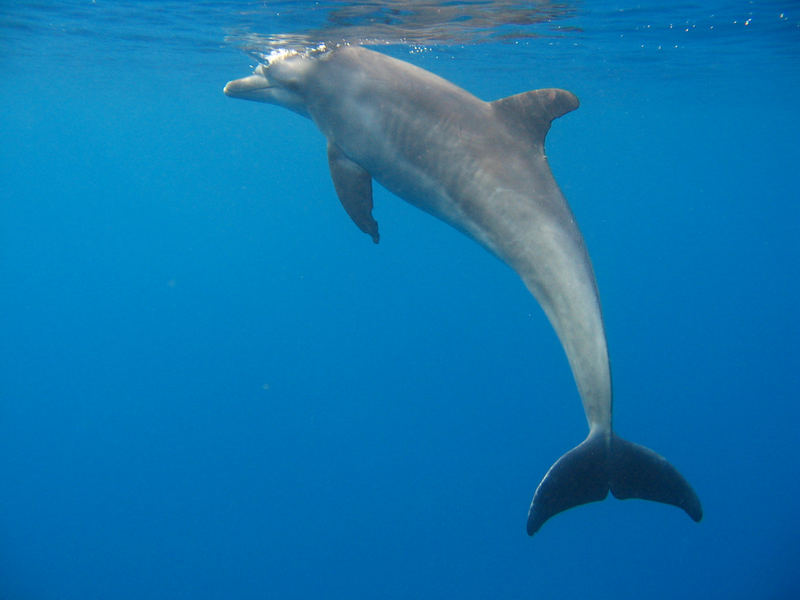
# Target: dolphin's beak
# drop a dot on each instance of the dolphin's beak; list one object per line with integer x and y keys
{"x": 255, "y": 87}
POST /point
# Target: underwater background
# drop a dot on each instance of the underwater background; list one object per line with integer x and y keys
{"x": 212, "y": 385}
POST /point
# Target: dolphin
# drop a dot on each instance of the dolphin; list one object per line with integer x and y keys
{"x": 481, "y": 167}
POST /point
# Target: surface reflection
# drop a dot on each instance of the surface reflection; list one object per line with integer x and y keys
{"x": 420, "y": 23}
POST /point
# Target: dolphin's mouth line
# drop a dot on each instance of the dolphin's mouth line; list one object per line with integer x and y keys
{"x": 238, "y": 86}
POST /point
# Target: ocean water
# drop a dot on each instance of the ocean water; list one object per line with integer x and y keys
{"x": 212, "y": 385}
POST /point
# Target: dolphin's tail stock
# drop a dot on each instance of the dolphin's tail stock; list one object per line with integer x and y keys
{"x": 603, "y": 462}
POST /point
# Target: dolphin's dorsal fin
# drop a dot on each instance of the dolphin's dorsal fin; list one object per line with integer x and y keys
{"x": 534, "y": 111}
{"x": 354, "y": 187}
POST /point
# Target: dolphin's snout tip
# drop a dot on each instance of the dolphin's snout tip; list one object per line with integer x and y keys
{"x": 236, "y": 87}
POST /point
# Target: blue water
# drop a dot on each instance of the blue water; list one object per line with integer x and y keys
{"x": 212, "y": 385}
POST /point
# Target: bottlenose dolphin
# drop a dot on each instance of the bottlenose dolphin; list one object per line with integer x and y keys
{"x": 481, "y": 167}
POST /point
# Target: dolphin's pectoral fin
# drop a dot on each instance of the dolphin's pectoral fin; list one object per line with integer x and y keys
{"x": 606, "y": 462}
{"x": 534, "y": 111}
{"x": 354, "y": 188}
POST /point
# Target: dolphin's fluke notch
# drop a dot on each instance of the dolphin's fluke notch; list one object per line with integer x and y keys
{"x": 603, "y": 462}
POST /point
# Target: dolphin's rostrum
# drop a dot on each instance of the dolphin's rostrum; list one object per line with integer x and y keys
{"x": 479, "y": 166}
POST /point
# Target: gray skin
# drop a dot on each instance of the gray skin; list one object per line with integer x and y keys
{"x": 481, "y": 167}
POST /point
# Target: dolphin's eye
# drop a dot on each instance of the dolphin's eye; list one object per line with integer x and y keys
{"x": 293, "y": 85}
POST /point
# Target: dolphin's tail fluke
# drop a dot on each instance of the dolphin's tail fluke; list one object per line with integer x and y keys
{"x": 603, "y": 462}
